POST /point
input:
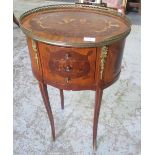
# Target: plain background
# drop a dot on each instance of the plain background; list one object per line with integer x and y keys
{"x": 147, "y": 80}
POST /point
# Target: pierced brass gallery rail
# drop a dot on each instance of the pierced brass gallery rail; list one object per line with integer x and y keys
{"x": 103, "y": 58}
{"x": 97, "y": 9}
{"x": 34, "y": 46}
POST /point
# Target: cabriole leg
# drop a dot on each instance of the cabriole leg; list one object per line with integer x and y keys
{"x": 44, "y": 92}
{"x": 98, "y": 99}
{"x": 62, "y": 98}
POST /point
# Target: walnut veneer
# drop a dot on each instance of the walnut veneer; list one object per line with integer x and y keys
{"x": 75, "y": 47}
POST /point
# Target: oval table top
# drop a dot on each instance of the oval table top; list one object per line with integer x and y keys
{"x": 75, "y": 25}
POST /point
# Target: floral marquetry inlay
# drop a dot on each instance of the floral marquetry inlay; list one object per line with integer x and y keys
{"x": 69, "y": 24}
{"x": 79, "y": 22}
{"x": 43, "y": 23}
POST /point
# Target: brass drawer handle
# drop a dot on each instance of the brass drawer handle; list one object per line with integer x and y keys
{"x": 68, "y": 69}
{"x": 67, "y": 56}
{"x": 67, "y": 80}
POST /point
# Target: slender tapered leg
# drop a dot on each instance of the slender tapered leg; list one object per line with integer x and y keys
{"x": 98, "y": 99}
{"x": 62, "y": 98}
{"x": 44, "y": 92}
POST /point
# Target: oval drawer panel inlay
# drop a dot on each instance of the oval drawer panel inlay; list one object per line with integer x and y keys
{"x": 73, "y": 65}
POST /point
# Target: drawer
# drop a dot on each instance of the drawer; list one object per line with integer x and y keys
{"x": 67, "y": 66}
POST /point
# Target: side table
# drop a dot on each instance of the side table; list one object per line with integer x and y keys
{"x": 75, "y": 47}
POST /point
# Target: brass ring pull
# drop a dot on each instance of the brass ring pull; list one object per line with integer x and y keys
{"x": 67, "y": 56}
{"x": 67, "y": 80}
{"x": 68, "y": 69}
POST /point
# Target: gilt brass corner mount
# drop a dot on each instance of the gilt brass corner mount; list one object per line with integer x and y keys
{"x": 34, "y": 47}
{"x": 103, "y": 56}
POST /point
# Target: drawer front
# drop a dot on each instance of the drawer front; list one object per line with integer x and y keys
{"x": 67, "y": 66}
